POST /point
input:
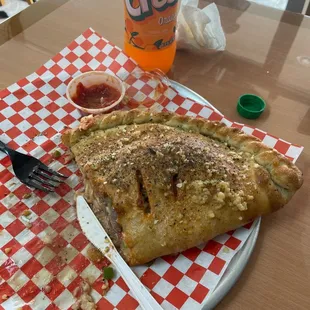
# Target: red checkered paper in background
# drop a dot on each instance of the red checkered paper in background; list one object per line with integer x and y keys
{"x": 48, "y": 247}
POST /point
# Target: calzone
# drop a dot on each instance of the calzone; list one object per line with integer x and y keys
{"x": 161, "y": 183}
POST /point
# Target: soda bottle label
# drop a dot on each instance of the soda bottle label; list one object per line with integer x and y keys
{"x": 150, "y": 24}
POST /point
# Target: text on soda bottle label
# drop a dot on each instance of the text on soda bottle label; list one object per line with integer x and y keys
{"x": 145, "y": 7}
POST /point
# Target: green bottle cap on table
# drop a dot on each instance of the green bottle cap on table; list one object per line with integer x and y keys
{"x": 250, "y": 106}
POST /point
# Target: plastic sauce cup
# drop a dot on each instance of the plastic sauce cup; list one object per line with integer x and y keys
{"x": 92, "y": 78}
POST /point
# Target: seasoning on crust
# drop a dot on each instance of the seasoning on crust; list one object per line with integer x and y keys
{"x": 161, "y": 183}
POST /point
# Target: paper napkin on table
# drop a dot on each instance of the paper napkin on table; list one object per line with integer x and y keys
{"x": 199, "y": 29}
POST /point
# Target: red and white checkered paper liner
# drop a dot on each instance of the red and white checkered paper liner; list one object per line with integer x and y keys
{"x": 32, "y": 113}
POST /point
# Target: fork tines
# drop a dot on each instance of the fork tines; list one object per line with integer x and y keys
{"x": 51, "y": 171}
{"x": 45, "y": 178}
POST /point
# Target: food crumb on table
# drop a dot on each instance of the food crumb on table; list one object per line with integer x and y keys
{"x": 226, "y": 250}
{"x": 28, "y": 225}
{"x": 4, "y": 297}
{"x": 56, "y": 154}
{"x": 47, "y": 289}
{"x": 108, "y": 273}
{"x": 7, "y": 250}
{"x": 94, "y": 255}
{"x": 26, "y": 196}
{"x": 105, "y": 287}
{"x": 84, "y": 301}
{"x": 26, "y": 213}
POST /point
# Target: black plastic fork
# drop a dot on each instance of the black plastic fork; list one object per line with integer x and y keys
{"x": 32, "y": 171}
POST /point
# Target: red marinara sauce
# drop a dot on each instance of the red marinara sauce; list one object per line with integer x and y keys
{"x": 96, "y": 96}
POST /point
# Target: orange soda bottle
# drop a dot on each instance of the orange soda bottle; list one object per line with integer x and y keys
{"x": 150, "y": 27}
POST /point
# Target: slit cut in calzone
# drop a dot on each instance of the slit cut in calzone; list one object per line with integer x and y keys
{"x": 161, "y": 183}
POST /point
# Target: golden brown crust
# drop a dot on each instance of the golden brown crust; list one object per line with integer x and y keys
{"x": 169, "y": 184}
{"x": 283, "y": 172}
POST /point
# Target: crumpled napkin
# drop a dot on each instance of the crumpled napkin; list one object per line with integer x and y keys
{"x": 199, "y": 29}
